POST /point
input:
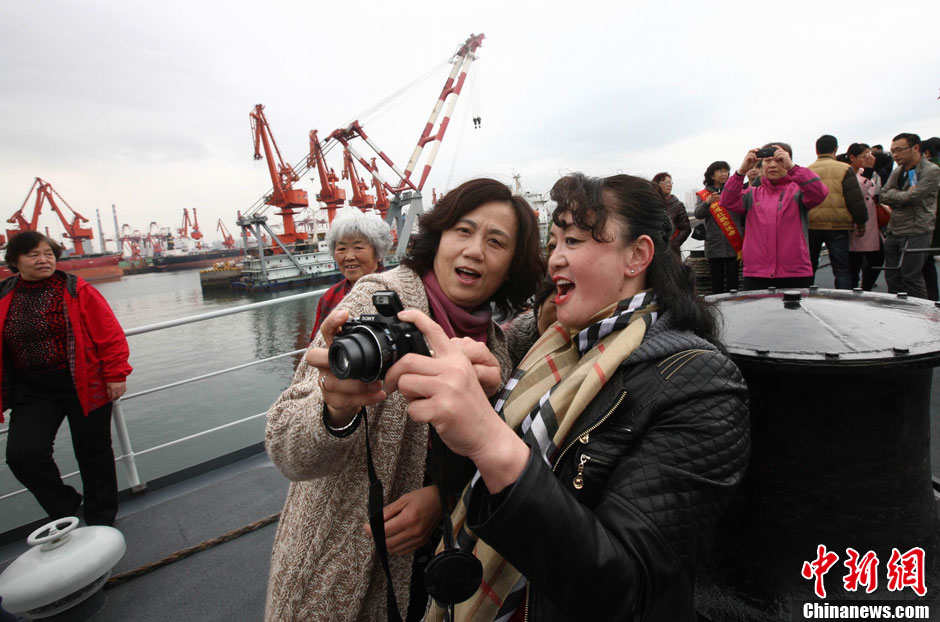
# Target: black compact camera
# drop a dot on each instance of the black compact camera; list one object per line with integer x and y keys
{"x": 766, "y": 152}
{"x": 364, "y": 349}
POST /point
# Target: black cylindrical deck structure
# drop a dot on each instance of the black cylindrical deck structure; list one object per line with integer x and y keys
{"x": 839, "y": 385}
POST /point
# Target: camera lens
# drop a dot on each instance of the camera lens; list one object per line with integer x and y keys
{"x": 356, "y": 355}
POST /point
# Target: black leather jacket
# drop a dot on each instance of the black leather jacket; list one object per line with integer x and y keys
{"x": 658, "y": 454}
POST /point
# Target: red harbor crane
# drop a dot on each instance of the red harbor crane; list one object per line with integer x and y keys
{"x": 329, "y": 194}
{"x": 131, "y": 240}
{"x": 359, "y": 199}
{"x": 284, "y": 196}
{"x": 227, "y": 240}
{"x": 184, "y": 232}
{"x": 45, "y": 192}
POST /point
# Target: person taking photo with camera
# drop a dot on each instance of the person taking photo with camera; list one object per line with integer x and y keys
{"x": 619, "y": 439}
{"x": 478, "y": 246}
{"x": 776, "y": 247}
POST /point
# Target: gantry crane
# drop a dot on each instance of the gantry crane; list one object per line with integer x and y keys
{"x": 45, "y": 192}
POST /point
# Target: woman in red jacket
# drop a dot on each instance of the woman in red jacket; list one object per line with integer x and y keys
{"x": 63, "y": 356}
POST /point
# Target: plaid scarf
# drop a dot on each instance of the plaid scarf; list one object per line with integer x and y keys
{"x": 554, "y": 383}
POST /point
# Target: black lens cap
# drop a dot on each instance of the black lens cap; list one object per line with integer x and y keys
{"x": 452, "y": 576}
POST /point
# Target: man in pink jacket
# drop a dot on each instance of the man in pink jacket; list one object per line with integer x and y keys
{"x": 776, "y": 247}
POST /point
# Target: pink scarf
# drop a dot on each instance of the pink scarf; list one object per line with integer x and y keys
{"x": 456, "y": 320}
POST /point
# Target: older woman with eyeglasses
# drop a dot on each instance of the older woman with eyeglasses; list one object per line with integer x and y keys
{"x": 675, "y": 209}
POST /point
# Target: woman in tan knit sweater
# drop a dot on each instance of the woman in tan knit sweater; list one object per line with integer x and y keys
{"x": 478, "y": 246}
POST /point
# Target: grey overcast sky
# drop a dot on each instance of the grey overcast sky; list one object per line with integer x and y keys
{"x": 145, "y": 104}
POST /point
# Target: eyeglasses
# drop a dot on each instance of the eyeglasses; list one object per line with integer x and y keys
{"x": 898, "y": 150}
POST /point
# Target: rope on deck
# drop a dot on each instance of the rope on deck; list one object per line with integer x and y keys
{"x": 122, "y": 578}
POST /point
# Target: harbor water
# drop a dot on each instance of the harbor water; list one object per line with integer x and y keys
{"x": 174, "y": 354}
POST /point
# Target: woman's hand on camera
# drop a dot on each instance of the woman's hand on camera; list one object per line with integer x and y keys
{"x": 782, "y": 158}
{"x": 484, "y": 363}
{"x": 410, "y": 519}
{"x": 343, "y": 398}
{"x": 445, "y": 392}
{"x": 750, "y": 160}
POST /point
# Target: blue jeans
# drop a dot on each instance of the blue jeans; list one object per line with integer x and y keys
{"x": 909, "y": 277}
{"x": 838, "y": 244}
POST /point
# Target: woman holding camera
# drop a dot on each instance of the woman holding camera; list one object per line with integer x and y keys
{"x": 776, "y": 249}
{"x": 479, "y": 245}
{"x": 617, "y": 442}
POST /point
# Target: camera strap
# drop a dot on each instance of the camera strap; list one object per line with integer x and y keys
{"x": 377, "y": 524}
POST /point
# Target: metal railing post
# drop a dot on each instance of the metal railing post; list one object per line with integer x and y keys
{"x": 127, "y": 452}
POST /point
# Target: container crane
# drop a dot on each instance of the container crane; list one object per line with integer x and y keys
{"x": 284, "y": 196}
{"x": 227, "y": 240}
{"x": 157, "y": 236}
{"x": 131, "y": 239}
{"x": 45, "y": 192}
{"x": 330, "y": 195}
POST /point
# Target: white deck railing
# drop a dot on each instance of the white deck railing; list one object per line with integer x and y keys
{"x": 128, "y": 456}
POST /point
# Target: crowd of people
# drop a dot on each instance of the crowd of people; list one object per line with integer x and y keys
{"x": 603, "y": 424}
{"x": 775, "y": 216}
{"x": 561, "y": 427}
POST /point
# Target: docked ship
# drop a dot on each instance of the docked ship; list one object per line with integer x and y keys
{"x": 172, "y": 260}
{"x": 89, "y": 267}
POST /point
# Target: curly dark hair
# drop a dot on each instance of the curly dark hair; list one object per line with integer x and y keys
{"x": 639, "y": 206}
{"x": 712, "y": 169}
{"x": 22, "y": 243}
{"x": 528, "y": 261}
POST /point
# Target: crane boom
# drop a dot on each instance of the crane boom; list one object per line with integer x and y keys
{"x": 284, "y": 196}
{"x": 45, "y": 192}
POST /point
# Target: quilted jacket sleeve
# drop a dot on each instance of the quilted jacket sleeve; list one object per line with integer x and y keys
{"x": 658, "y": 501}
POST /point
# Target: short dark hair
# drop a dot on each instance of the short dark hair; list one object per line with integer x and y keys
{"x": 932, "y": 145}
{"x": 826, "y": 143}
{"x": 879, "y": 147}
{"x": 658, "y": 177}
{"x": 22, "y": 243}
{"x": 638, "y": 205}
{"x": 785, "y": 146}
{"x": 912, "y": 139}
{"x": 528, "y": 261}
{"x": 712, "y": 169}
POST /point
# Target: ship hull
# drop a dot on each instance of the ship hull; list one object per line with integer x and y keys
{"x": 89, "y": 267}
{"x": 195, "y": 260}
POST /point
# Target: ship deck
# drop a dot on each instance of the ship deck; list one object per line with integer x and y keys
{"x": 225, "y": 582}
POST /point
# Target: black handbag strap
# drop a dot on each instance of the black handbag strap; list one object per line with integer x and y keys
{"x": 377, "y": 523}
